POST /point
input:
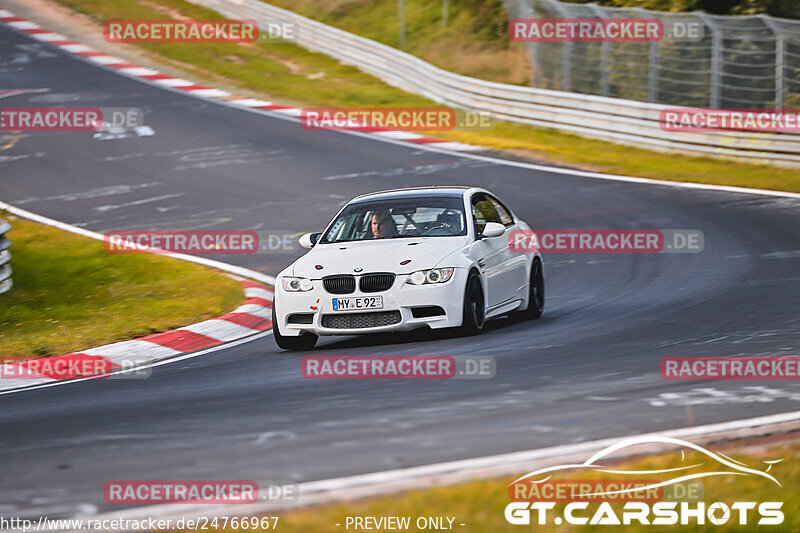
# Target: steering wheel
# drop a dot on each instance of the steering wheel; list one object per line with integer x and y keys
{"x": 449, "y": 227}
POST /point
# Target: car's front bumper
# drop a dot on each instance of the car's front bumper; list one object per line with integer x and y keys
{"x": 401, "y": 297}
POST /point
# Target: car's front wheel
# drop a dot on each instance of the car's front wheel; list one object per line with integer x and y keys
{"x": 306, "y": 341}
{"x": 474, "y": 305}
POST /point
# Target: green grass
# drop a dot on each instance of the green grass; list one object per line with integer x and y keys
{"x": 288, "y": 74}
{"x": 474, "y": 42}
{"x": 480, "y": 505}
{"x": 70, "y": 294}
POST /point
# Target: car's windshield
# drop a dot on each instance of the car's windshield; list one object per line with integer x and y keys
{"x": 424, "y": 216}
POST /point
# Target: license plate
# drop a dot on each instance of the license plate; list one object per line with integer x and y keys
{"x": 360, "y": 302}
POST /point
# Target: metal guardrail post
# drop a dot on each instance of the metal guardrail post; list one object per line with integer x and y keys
{"x": 780, "y": 47}
{"x": 566, "y": 66}
{"x": 5, "y": 257}
{"x": 605, "y": 52}
{"x": 716, "y": 60}
{"x": 526, "y": 10}
{"x": 652, "y": 69}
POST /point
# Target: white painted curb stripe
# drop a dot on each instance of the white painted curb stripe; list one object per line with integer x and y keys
{"x": 252, "y": 309}
{"x": 23, "y": 25}
{"x": 49, "y": 37}
{"x": 75, "y": 48}
{"x": 251, "y": 102}
{"x": 174, "y": 82}
{"x": 221, "y": 330}
{"x": 210, "y": 93}
{"x": 255, "y": 292}
{"x": 106, "y": 60}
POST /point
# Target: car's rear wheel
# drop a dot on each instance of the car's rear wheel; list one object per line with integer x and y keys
{"x": 535, "y": 292}
{"x": 306, "y": 341}
{"x": 474, "y": 305}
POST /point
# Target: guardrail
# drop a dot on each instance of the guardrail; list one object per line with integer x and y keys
{"x": 613, "y": 119}
{"x": 5, "y": 257}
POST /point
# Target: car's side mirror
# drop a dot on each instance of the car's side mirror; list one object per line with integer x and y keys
{"x": 309, "y": 240}
{"x": 493, "y": 229}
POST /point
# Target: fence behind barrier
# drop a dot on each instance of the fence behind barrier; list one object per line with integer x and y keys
{"x": 619, "y": 120}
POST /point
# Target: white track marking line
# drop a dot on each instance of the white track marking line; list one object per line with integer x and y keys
{"x": 225, "y": 267}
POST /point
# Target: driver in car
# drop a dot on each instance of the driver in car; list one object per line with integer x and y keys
{"x": 383, "y": 226}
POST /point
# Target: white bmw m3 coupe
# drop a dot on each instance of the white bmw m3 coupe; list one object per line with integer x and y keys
{"x": 435, "y": 257}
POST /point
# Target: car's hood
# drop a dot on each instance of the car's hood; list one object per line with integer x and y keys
{"x": 377, "y": 256}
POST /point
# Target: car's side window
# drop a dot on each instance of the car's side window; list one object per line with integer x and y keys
{"x": 483, "y": 211}
{"x": 505, "y": 215}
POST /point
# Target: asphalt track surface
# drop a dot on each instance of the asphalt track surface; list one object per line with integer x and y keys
{"x": 587, "y": 370}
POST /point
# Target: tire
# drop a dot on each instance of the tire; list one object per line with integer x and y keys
{"x": 474, "y": 305}
{"x": 535, "y": 292}
{"x": 306, "y": 341}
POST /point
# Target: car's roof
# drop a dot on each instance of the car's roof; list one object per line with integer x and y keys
{"x": 436, "y": 190}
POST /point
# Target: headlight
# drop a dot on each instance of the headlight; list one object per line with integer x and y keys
{"x": 434, "y": 275}
{"x": 296, "y": 284}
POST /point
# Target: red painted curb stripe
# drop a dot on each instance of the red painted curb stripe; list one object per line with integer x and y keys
{"x": 250, "y": 284}
{"x": 124, "y": 65}
{"x": 247, "y": 320}
{"x": 258, "y": 301}
{"x": 191, "y": 87}
{"x": 181, "y": 340}
{"x": 157, "y": 76}
{"x": 91, "y": 53}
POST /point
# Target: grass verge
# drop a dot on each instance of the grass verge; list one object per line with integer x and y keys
{"x": 291, "y": 75}
{"x": 70, "y": 294}
{"x": 480, "y": 505}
